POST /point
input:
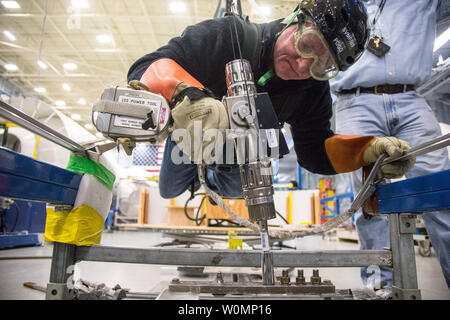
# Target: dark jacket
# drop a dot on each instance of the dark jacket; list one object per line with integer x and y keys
{"x": 204, "y": 49}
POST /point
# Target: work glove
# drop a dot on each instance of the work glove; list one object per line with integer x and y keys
{"x": 392, "y": 147}
{"x": 199, "y": 124}
{"x": 199, "y": 120}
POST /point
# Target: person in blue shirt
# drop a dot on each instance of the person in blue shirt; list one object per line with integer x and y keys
{"x": 376, "y": 96}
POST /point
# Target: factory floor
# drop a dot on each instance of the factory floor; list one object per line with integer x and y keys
{"x": 32, "y": 264}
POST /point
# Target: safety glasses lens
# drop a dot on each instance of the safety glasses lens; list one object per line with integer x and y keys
{"x": 310, "y": 44}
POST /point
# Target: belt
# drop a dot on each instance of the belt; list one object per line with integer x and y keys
{"x": 381, "y": 89}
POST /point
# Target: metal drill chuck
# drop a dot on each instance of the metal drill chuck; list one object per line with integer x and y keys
{"x": 258, "y": 191}
{"x": 239, "y": 78}
{"x": 261, "y": 212}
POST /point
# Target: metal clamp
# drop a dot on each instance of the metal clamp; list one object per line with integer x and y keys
{"x": 369, "y": 186}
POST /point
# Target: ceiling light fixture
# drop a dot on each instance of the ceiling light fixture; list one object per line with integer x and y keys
{"x": 81, "y": 101}
{"x": 75, "y": 116}
{"x": 103, "y": 38}
{"x": 60, "y": 103}
{"x": 11, "y": 4}
{"x": 80, "y": 3}
{"x": 66, "y": 86}
{"x": 264, "y": 10}
{"x": 177, "y": 6}
{"x": 70, "y": 66}
{"x": 42, "y": 64}
{"x": 40, "y": 89}
{"x": 9, "y": 35}
{"x": 11, "y": 67}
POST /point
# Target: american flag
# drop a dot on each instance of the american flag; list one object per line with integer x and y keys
{"x": 149, "y": 157}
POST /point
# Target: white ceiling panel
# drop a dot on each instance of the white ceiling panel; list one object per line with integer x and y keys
{"x": 70, "y": 35}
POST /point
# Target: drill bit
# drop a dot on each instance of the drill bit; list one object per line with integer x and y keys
{"x": 266, "y": 256}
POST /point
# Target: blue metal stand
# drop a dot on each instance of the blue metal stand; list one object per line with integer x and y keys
{"x": 430, "y": 192}
{"x": 402, "y": 201}
{"x": 24, "y": 178}
{"x": 22, "y": 223}
{"x": 19, "y": 239}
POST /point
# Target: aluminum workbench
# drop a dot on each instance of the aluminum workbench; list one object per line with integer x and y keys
{"x": 22, "y": 177}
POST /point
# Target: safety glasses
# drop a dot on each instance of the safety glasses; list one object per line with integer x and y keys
{"x": 310, "y": 44}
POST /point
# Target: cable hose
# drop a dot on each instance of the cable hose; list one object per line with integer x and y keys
{"x": 282, "y": 235}
{"x": 237, "y": 219}
{"x": 286, "y": 234}
{"x": 281, "y": 216}
{"x": 195, "y": 219}
{"x": 17, "y": 217}
{"x": 365, "y": 192}
{"x": 198, "y": 211}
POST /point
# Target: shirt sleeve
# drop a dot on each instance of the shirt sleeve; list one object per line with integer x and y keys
{"x": 442, "y": 11}
{"x": 202, "y": 50}
{"x": 310, "y": 128}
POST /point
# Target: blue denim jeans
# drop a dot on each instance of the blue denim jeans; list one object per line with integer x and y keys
{"x": 174, "y": 179}
{"x": 407, "y": 117}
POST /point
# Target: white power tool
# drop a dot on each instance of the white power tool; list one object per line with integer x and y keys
{"x": 141, "y": 116}
{"x": 137, "y": 115}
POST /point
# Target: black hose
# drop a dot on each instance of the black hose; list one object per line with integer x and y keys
{"x": 200, "y": 220}
{"x": 196, "y": 218}
{"x": 219, "y": 222}
{"x": 5, "y": 134}
{"x": 17, "y": 217}
{"x": 283, "y": 218}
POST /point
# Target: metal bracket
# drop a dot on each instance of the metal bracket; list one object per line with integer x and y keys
{"x": 59, "y": 291}
{"x": 405, "y": 294}
{"x": 407, "y": 223}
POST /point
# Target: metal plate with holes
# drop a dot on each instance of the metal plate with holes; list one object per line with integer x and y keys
{"x": 59, "y": 291}
{"x": 407, "y": 223}
{"x": 405, "y": 294}
{"x": 249, "y": 288}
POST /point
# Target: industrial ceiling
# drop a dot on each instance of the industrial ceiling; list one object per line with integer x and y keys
{"x": 84, "y": 46}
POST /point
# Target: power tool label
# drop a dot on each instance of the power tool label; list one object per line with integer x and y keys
{"x": 162, "y": 118}
{"x": 272, "y": 138}
{"x": 140, "y": 101}
{"x": 128, "y": 122}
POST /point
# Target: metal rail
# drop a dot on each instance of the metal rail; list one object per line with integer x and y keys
{"x": 429, "y": 146}
{"x": 25, "y": 121}
{"x": 233, "y": 258}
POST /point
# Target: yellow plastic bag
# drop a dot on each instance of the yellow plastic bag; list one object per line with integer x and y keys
{"x": 82, "y": 226}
